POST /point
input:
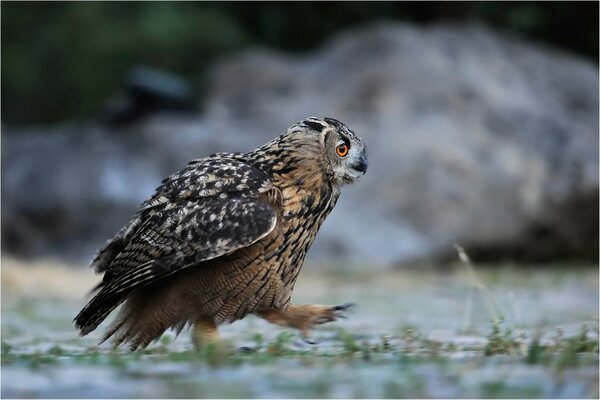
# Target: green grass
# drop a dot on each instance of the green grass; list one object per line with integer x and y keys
{"x": 344, "y": 347}
{"x": 384, "y": 366}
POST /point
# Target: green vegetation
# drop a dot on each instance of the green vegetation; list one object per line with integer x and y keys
{"x": 63, "y": 60}
{"x": 391, "y": 367}
{"x": 502, "y": 340}
{"x": 344, "y": 348}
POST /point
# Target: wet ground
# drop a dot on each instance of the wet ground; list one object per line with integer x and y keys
{"x": 504, "y": 331}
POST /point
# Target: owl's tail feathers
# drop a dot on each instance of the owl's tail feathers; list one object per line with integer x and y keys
{"x": 140, "y": 323}
{"x": 127, "y": 330}
{"x": 93, "y": 314}
{"x": 96, "y": 311}
{"x": 102, "y": 304}
{"x": 137, "y": 325}
{"x": 111, "y": 293}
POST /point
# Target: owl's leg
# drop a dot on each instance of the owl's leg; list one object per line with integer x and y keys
{"x": 304, "y": 317}
{"x": 205, "y": 331}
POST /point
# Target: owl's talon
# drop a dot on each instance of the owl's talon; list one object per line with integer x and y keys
{"x": 343, "y": 307}
{"x": 333, "y": 314}
{"x": 308, "y": 340}
{"x": 338, "y": 312}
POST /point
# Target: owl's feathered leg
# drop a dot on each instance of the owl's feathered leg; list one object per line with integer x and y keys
{"x": 304, "y": 317}
{"x": 204, "y": 331}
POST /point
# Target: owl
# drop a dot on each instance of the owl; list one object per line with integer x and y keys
{"x": 226, "y": 237}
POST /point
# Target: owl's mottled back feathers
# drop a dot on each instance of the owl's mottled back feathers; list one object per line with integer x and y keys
{"x": 225, "y": 236}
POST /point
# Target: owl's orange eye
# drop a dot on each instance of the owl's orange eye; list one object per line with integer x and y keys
{"x": 342, "y": 150}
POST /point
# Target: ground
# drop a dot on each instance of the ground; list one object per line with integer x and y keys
{"x": 504, "y": 331}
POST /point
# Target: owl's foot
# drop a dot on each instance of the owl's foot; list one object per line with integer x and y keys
{"x": 305, "y": 317}
{"x": 247, "y": 349}
{"x": 334, "y": 313}
{"x": 205, "y": 332}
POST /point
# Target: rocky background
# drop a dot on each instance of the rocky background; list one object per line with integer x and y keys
{"x": 474, "y": 137}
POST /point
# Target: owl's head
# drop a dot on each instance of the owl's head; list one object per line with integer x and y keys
{"x": 343, "y": 151}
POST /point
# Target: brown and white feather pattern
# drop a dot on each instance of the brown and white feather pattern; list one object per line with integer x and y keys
{"x": 222, "y": 237}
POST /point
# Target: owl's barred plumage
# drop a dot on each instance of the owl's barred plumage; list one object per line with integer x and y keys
{"x": 226, "y": 237}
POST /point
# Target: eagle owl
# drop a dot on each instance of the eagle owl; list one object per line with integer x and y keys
{"x": 226, "y": 237}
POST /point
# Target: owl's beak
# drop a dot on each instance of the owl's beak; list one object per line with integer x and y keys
{"x": 361, "y": 165}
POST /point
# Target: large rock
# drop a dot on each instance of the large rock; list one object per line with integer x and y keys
{"x": 473, "y": 137}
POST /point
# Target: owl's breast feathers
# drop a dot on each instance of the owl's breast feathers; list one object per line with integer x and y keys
{"x": 214, "y": 207}
{"x": 307, "y": 197}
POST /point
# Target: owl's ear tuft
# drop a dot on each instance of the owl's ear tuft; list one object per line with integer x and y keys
{"x": 314, "y": 125}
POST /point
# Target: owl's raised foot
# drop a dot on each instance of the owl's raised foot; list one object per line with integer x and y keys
{"x": 334, "y": 313}
{"x": 305, "y": 317}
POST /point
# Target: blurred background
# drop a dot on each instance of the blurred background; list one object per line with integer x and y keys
{"x": 481, "y": 118}
{"x": 481, "y": 124}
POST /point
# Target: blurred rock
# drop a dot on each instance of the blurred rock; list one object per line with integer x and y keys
{"x": 473, "y": 137}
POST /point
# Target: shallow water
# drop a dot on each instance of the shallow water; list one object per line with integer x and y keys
{"x": 413, "y": 334}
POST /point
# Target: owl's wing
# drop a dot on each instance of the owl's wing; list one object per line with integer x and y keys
{"x": 198, "y": 214}
{"x": 188, "y": 234}
{"x": 218, "y": 176}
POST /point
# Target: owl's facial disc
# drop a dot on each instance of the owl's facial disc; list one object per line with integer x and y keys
{"x": 344, "y": 150}
{"x": 355, "y": 163}
{"x": 349, "y": 157}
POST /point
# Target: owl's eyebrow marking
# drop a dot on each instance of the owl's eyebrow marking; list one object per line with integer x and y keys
{"x": 333, "y": 121}
{"x": 314, "y": 125}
